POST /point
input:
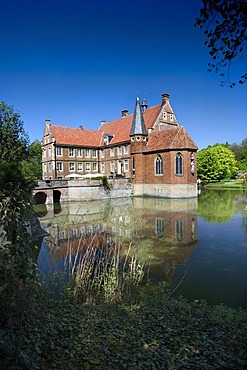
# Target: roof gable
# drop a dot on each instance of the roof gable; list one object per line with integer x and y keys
{"x": 174, "y": 138}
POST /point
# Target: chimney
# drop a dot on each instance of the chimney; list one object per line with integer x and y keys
{"x": 81, "y": 127}
{"x": 125, "y": 113}
{"x": 165, "y": 98}
{"x": 102, "y": 123}
{"x": 47, "y": 122}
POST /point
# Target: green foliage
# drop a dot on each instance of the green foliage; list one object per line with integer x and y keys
{"x": 32, "y": 167}
{"x": 240, "y": 152}
{"x": 216, "y": 163}
{"x": 13, "y": 139}
{"x": 158, "y": 333}
{"x": 225, "y": 24}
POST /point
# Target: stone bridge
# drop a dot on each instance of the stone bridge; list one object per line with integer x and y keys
{"x": 52, "y": 191}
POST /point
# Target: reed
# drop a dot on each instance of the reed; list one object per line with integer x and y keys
{"x": 100, "y": 270}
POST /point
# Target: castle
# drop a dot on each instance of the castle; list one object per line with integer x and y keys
{"x": 147, "y": 147}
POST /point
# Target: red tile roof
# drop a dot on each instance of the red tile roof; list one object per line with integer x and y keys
{"x": 121, "y": 127}
{"x": 76, "y": 136}
{"x": 173, "y": 138}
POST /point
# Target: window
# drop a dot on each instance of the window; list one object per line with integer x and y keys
{"x": 119, "y": 150}
{"x": 112, "y": 152}
{"x": 87, "y": 153}
{"x": 103, "y": 167}
{"x": 158, "y": 165}
{"x": 164, "y": 115}
{"x": 126, "y": 165}
{"x": 72, "y": 166}
{"x": 59, "y": 166}
{"x": 49, "y": 167}
{"x": 161, "y": 127}
{"x": 179, "y": 164}
{"x": 102, "y": 153}
{"x": 112, "y": 167}
{"x": 171, "y": 117}
{"x": 94, "y": 166}
{"x": 74, "y": 233}
{"x": 71, "y": 152}
{"x": 179, "y": 230}
{"x": 79, "y": 152}
{"x": 160, "y": 226}
{"x": 79, "y": 166}
{"x": 59, "y": 150}
{"x": 88, "y": 166}
{"x": 94, "y": 153}
{"x": 125, "y": 149}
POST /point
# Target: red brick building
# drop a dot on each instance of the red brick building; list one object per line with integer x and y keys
{"x": 148, "y": 147}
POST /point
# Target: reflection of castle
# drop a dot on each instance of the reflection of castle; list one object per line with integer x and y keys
{"x": 163, "y": 232}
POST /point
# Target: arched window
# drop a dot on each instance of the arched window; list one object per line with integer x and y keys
{"x": 179, "y": 164}
{"x": 158, "y": 165}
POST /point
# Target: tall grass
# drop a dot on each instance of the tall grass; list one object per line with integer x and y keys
{"x": 100, "y": 270}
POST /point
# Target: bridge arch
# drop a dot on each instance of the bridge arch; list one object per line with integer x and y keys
{"x": 40, "y": 197}
{"x": 56, "y": 196}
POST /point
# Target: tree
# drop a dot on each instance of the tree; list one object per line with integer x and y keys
{"x": 240, "y": 152}
{"x": 216, "y": 163}
{"x": 225, "y": 24}
{"x": 32, "y": 167}
{"x": 13, "y": 138}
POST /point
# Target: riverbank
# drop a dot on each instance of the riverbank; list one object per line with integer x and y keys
{"x": 157, "y": 333}
{"x": 227, "y": 184}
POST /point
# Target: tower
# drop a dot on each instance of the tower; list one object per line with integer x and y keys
{"x": 138, "y": 137}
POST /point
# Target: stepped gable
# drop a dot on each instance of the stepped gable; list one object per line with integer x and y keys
{"x": 121, "y": 127}
{"x": 75, "y": 136}
{"x": 174, "y": 138}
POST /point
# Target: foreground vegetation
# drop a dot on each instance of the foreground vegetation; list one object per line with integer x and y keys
{"x": 159, "y": 332}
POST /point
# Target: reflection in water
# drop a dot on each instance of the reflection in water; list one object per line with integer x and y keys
{"x": 173, "y": 238}
{"x": 217, "y": 205}
{"x": 162, "y": 231}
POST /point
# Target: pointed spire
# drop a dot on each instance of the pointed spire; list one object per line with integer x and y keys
{"x": 138, "y": 126}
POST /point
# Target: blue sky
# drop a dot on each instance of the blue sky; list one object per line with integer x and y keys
{"x": 79, "y": 62}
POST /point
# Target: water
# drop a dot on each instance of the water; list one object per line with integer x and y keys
{"x": 198, "y": 246}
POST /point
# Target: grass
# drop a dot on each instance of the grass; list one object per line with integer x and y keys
{"x": 228, "y": 184}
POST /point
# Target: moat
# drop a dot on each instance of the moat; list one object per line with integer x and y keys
{"x": 198, "y": 246}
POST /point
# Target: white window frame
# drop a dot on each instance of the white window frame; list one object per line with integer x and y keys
{"x": 79, "y": 166}
{"x": 126, "y": 165}
{"x": 126, "y": 149}
{"x": 158, "y": 166}
{"x": 94, "y": 167}
{"x": 119, "y": 150}
{"x": 88, "y": 167}
{"x": 102, "y": 167}
{"x": 59, "y": 151}
{"x": 112, "y": 152}
{"x": 102, "y": 153}
{"x": 72, "y": 166}
{"x": 71, "y": 152}
{"x": 87, "y": 153}
{"x": 79, "y": 152}
{"x": 59, "y": 166}
{"x": 94, "y": 153}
